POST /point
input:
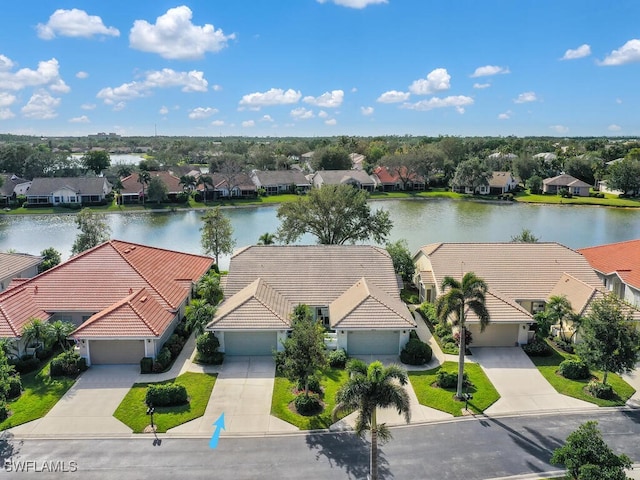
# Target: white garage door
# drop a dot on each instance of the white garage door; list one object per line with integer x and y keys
{"x": 116, "y": 351}
{"x": 250, "y": 343}
{"x": 494, "y": 335}
{"x": 373, "y": 343}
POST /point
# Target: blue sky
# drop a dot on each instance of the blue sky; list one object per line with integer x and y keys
{"x": 321, "y": 67}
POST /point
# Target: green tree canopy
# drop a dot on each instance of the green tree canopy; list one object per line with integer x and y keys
{"x": 625, "y": 176}
{"x": 209, "y": 289}
{"x": 50, "y": 258}
{"x": 335, "y": 215}
{"x": 217, "y": 233}
{"x": 94, "y": 230}
{"x": 157, "y": 190}
{"x": 471, "y": 173}
{"x": 525, "y": 236}
{"x": 199, "y": 313}
{"x": 402, "y": 259}
{"x": 334, "y": 157}
{"x": 96, "y": 161}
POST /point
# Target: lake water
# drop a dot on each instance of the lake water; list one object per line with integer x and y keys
{"x": 418, "y": 221}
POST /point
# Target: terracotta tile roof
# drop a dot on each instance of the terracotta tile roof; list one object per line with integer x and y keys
{"x": 104, "y": 275}
{"x": 622, "y": 258}
{"x": 17, "y": 308}
{"x": 130, "y": 184}
{"x": 138, "y": 315}
{"x": 13, "y": 263}
{"x": 385, "y": 176}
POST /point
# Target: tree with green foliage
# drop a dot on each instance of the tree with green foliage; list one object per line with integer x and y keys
{"x": 208, "y": 288}
{"x": 35, "y": 332}
{"x": 534, "y": 184}
{"x": 94, "y": 230}
{"x": 524, "y": 167}
{"x": 586, "y": 456}
{"x": 560, "y": 312}
{"x": 303, "y": 352}
{"x": 96, "y": 161}
{"x": 50, "y": 258}
{"x": 157, "y": 190}
{"x": 335, "y": 215}
{"x": 206, "y": 181}
{"x": 402, "y": 260}
{"x": 471, "y": 174}
{"x": 188, "y": 182}
{"x": 199, "y": 313}
{"x": 217, "y": 234}
{"x": 367, "y": 389}
{"x": 59, "y": 331}
{"x": 458, "y": 298}
{"x": 267, "y": 239}
{"x": 144, "y": 177}
{"x": 334, "y": 157}
{"x": 610, "y": 340}
{"x": 625, "y": 176}
{"x": 525, "y": 236}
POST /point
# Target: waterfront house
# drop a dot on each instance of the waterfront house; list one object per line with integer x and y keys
{"x": 564, "y": 181}
{"x": 17, "y": 265}
{"x": 11, "y": 187}
{"x": 68, "y": 190}
{"x": 357, "y": 178}
{"x": 280, "y": 181}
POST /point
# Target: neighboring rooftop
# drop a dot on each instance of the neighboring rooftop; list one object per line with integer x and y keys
{"x": 622, "y": 258}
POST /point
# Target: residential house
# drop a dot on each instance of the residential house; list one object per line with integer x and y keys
{"x": 618, "y": 266}
{"x": 132, "y": 189}
{"x": 357, "y": 178}
{"x": 564, "y": 181}
{"x": 306, "y": 160}
{"x": 352, "y": 289}
{"x": 357, "y": 160}
{"x": 401, "y": 179}
{"x": 11, "y": 187}
{"x": 520, "y": 278}
{"x": 546, "y": 157}
{"x": 68, "y": 190}
{"x": 124, "y": 298}
{"x": 501, "y": 183}
{"x": 237, "y": 185}
{"x": 17, "y": 265}
{"x": 280, "y": 181}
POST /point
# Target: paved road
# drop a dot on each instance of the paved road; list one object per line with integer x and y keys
{"x": 469, "y": 449}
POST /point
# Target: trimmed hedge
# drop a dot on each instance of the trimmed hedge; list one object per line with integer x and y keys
{"x": 207, "y": 344}
{"x": 574, "y": 370}
{"x": 26, "y": 364}
{"x": 67, "y": 363}
{"x": 146, "y": 365}
{"x": 416, "y": 352}
{"x": 308, "y": 404}
{"x": 338, "y": 358}
{"x": 449, "y": 379}
{"x": 165, "y": 395}
{"x": 600, "y": 390}
{"x": 15, "y": 387}
{"x": 537, "y": 348}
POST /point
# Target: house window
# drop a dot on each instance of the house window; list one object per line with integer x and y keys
{"x": 72, "y": 199}
{"x": 62, "y": 318}
{"x": 537, "y": 307}
{"x": 56, "y": 199}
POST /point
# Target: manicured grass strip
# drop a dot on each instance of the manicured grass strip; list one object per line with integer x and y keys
{"x": 608, "y": 201}
{"x": 132, "y": 411}
{"x": 332, "y": 379}
{"x": 548, "y": 367}
{"x": 41, "y": 393}
{"x": 483, "y": 391}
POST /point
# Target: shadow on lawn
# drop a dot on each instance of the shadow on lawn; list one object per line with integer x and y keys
{"x": 8, "y": 447}
{"x": 348, "y": 452}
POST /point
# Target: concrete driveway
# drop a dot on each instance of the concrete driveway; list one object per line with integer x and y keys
{"x": 87, "y": 407}
{"x": 243, "y": 392}
{"x": 521, "y": 386}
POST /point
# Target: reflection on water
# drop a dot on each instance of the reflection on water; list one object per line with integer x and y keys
{"x": 418, "y": 221}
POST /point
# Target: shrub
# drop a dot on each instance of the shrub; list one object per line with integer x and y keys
{"x": 174, "y": 344}
{"x": 215, "y": 359}
{"x": 600, "y": 390}
{"x": 4, "y": 411}
{"x": 314, "y": 385}
{"x": 207, "y": 344}
{"x": 428, "y": 311}
{"x": 468, "y": 338}
{"x": 537, "y": 348}
{"x": 15, "y": 387}
{"x": 416, "y": 352}
{"x": 338, "y": 358}
{"x": 166, "y": 394}
{"x": 449, "y": 379}
{"x": 181, "y": 330}
{"x": 574, "y": 369}
{"x": 450, "y": 348}
{"x": 157, "y": 367}
{"x": 146, "y": 365}
{"x": 442, "y": 330}
{"x": 565, "y": 346}
{"x": 67, "y": 363}
{"x": 447, "y": 339}
{"x": 164, "y": 357}
{"x": 308, "y": 404}
{"x": 26, "y": 364}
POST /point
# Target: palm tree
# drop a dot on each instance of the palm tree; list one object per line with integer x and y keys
{"x": 35, "y": 332}
{"x": 144, "y": 177}
{"x": 59, "y": 331}
{"x": 367, "y": 389}
{"x": 199, "y": 312}
{"x": 456, "y": 300}
{"x": 267, "y": 239}
{"x": 209, "y": 289}
{"x": 188, "y": 182}
{"x": 205, "y": 181}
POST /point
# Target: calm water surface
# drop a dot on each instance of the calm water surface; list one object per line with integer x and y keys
{"x": 418, "y": 221}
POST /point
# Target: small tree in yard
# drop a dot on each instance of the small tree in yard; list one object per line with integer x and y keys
{"x": 304, "y": 351}
{"x": 587, "y": 457}
{"x": 50, "y": 258}
{"x": 199, "y": 312}
{"x": 94, "y": 230}
{"x": 157, "y": 190}
{"x": 610, "y": 341}
{"x": 217, "y": 234}
{"x": 402, "y": 260}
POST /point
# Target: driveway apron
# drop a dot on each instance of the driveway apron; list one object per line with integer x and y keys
{"x": 521, "y": 386}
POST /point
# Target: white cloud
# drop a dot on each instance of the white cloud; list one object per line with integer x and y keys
{"x": 614, "y": 128}
{"x": 119, "y": 106}
{"x": 393, "y": 96}
{"x": 331, "y": 121}
{"x": 6, "y": 99}
{"x": 88, "y": 106}
{"x": 81, "y": 119}
{"x": 628, "y": 53}
{"x": 47, "y": 73}
{"x": 41, "y": 106}
{"x": 366, "y": 111}
{"x": 359, "y": 4}
{"x": 619, "y": 101}
{"x": 437, "y": 81}
{"x": 480, "y": 86}
{"x": 322, "y": 114}
{"x": 354, "y": 90}
{"x": 458, "y": 102}
{"x": 331, "y": 99}
{"x": 82, "y": 75}
{"x": 559, "y": 128}
{"x": 174, "y": 36}
{"x": 202, "y": 112}
{"x": 274, "y": 96}
{"x": 526, "y": 97}
{"x": 266, "y": 118}
{"x": 505, "y": 116}
{"x": 216, "y": 88}
{"x": 74, "y": 23}
{"x": 126, "y": 91}
{"x": 301, "y": 113}
{"x": 217, "y": 123}
{"x": 580, "y": 52}
{"x": 163, "y": 110}
{"x": 489, "y": 70}
{"x": 248, "y": 123}
{"x": 6, "y": 114}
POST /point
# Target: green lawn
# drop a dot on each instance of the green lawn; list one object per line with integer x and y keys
{"x": 283, "y": 395}
{"x": 40, "y": 394}
{"x": 608, "y": 200}
{"x": 132, "y": 411}
{"x": 548, "y": 366}
{"x": 484, "y": 393}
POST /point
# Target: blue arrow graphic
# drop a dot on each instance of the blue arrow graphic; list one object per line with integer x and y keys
{"x": 219, "y": 424}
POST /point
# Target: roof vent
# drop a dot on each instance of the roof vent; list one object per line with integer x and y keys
{"x": 35, "y": 289}
{"x": 130, "y": 290}
{"x": 143, "y": 299}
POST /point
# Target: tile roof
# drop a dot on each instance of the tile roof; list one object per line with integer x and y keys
{"x": 13, "y": 263}
{"x": 579, "y": 294}
{"x": 280, "y": 177}
{"x": 565, "y": 180}
{"x": 502, "y": 310}
{"x": 104, "y": 275}
{"x": 338, "y": 177}
{"x": 130, "y": 184}
{"x": 500, "y": 179}
{"x": 622, "y": 258}
{"x": 9, "y": 183}
{"x": 82, "y": 185}
{"x": 387, "y": 176}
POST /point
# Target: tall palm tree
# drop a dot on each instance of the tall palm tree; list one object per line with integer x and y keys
{"x": 206, "y": 181}
{"x": 367, "y": 389}
{"x": 188, "y": 182}
{"x": 458, "y": 298}
{"x": 60, "y": 331}
{"x": 144, "y": 178}
{"x": 209, "y": 289}
{"x": 560, "y": 312}
{"x": 35, "y": 332}
{"x": 267, "y": 239}
{"x": 199, "y": 312}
